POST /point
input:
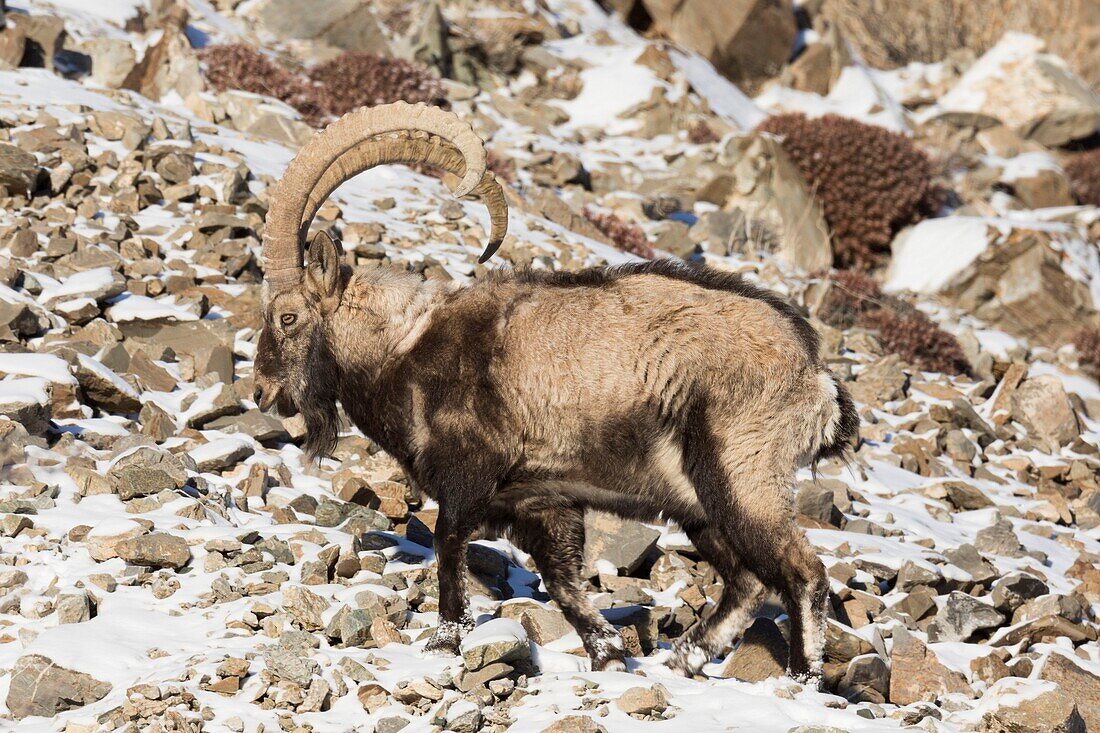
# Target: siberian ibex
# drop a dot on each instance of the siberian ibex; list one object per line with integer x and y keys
{"x": 654, "y": 391}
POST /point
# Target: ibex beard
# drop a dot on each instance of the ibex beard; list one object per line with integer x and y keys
{"x": 656, "y": 391}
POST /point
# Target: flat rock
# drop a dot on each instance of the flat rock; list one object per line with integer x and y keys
{"x": 40, "y": 687}
{"x": 145, "y": 471}
{"x": 498, "y": 640}
{"x": 916, "y": 675}
{"x": 621, "y": 543}
{"x": 762, "y": 653}
{"x": 156, "y": 550}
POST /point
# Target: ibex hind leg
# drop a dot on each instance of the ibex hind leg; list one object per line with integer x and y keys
{"x": 552, "y": 532}
{"x": 741, "y": 595}
{"x": 777, "y": 551}
{"x": 753, "y": 511}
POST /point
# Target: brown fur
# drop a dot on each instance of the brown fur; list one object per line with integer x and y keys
{"x": 651, "y": 391}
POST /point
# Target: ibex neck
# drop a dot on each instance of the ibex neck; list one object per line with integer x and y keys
{"x": 381, "y": 316}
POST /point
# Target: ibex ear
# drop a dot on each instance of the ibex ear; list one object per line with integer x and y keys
{"x": 323, "y": 265}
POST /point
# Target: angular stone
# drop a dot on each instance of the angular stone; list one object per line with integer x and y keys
{"x": 621, "y": 543}
{"x": 1041, "y": 404}
{"x": 867, "y": 679}
{"x": 961, "y": 616}
{"x": 1082, "y": 686}
{"x": 762, "y": 653}
{"x": 916, "y": 675}
{"x": 146, "y": 471}
{"x": 305, "y": 606}
{"x": 1011, "y": 591}
{"x": 1033, "y": 93}
{"x": 1051, "y": 711}
{"x": 156, "y": 550}
{"x": 643, "y": 700}
{"x": 40, "y": 687}
{"x": 18, "y": 170}
{"x": 498, "y": 640}
{"x": 542, "y": 624}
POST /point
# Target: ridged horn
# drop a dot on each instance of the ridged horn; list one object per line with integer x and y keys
{"x": 434, "y": 152}
{"x": 283, "y": 240}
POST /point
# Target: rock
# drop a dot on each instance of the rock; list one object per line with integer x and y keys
{"x": 967, "y": 558}
{"x": 575, "y": 724}
{"x": 817, "y": 502}
{"x": 961, "y": 616}
{"x": 1013, "y": 280}
{"x": 965, "y": 497}
{"x": 643, "y": 700}
{"x": 145, "y": 471}
{"x": 998, "y": 539}
{"x": 1011, "y": 591}
{"x": 346, "y": 24}
{"x": 18, "y": 170}
{"x": 112, "y": 60}
{"x": 620, "y": 543}
{"x": 103, "y": 539}
{"x": 913, "y": 575}
{"x": 73, "y": 608}
{"x": 916, "y": 674}
{"x": 1081, "y": 685}
{"x": 498, "y": 640}
{"x": 305, "y": 606}
{"x": 43, "y": 37}
{"x": 762, "y": 653}
{"x": 748, "y": 41}
{"x": 841, "y": 645}
{"x": 771, "y": 193}
{"x": 40, "y": 687}
{"x": 1041, "y": 404}
{"x": 867, "y": 679}
{"x": 290, "y": 664}
{"x": 27, "y": 402}
{"x": 221, "y": 454}
{"x": 1051, "y": 711}
{"x": 105, "y": 389}
{"x": 542, "y": 623}
{"x": 1044, "y": 101}
{"x": 170, "y": 65}
{"x": 157, "y": 550}
{"x": 881, "y": 382}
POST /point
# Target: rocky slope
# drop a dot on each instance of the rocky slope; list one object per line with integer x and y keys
{"x": 169, "y": 560}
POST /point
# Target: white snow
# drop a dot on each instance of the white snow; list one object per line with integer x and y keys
{"x": 927, "y": 256}
{"x": 46, "y": 366}
{"x": 144, "y": 308}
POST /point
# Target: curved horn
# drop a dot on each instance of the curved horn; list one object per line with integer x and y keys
{"x": 433, "y": 152}
{"x": 283, "y": 242}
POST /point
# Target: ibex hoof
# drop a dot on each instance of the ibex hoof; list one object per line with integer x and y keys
{"x": 687, "y": 659}
{"x": 447, "y": 638}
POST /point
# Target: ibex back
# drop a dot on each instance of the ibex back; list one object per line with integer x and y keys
{"x": 653, "y": 391}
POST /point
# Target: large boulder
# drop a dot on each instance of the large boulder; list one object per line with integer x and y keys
{"x": 768, "y": 190}
{"x": 1016, "y": 279}
{"x": 345, "y": 24}
{"x": 748, "y": 41}
{"x": 40, "y": 687}
{"x": 1032, "y": 92}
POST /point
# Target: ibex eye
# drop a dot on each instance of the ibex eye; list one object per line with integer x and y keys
{"x": 288, "y": 319}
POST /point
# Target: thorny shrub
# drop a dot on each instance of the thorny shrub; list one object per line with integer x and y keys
{"x": 357, "y": 79}
{"x": 342, "y": 84}
{"x": 871, "y": 182}
{"x": 854, "y": 299}
{"x": 1083, "y": 172}
{"x": 626, "y": 236}
{"x": 237, "y": 66}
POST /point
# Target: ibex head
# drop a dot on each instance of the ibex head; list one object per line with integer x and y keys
{"x": 295, "y": 369}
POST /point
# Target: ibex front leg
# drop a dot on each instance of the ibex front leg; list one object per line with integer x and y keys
{"x": 460, "y": 513}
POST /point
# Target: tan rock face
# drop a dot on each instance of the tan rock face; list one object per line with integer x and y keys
{"x": 747, "y": 40}
{"x": 40, "y": 687}
{"x": 769, "y": 189}
{"x": 916, "y": 674}
{"x": 1033, "y": 93}
{"x": 1041, "y": 404}
{"x": 1052, "y": 711}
